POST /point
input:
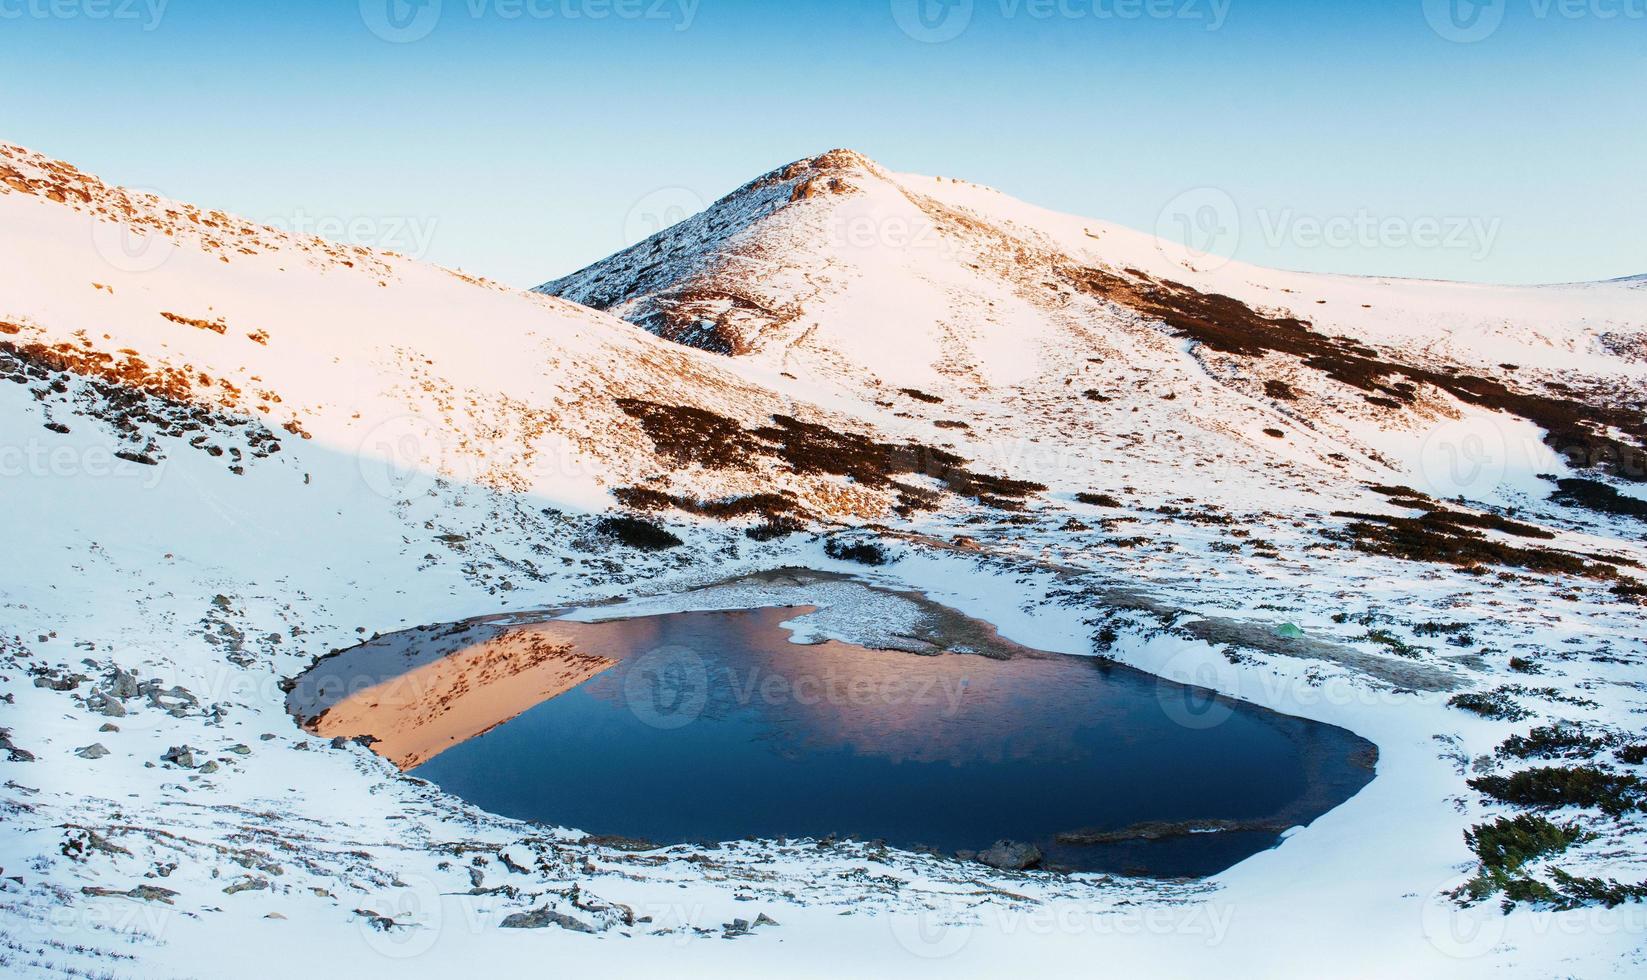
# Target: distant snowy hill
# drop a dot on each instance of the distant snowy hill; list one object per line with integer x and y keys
{"x": 848, "y": 281}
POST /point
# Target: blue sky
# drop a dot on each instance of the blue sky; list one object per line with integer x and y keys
{"x": 1500, "y": 142}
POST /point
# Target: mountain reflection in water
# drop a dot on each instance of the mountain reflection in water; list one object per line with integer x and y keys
{"x": 710, "y": 726}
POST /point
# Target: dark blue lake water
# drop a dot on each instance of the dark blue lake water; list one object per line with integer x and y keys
{"x": 704, "y": 727}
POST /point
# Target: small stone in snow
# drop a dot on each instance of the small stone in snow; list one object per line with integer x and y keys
{"x": 92, "y": 751}
{"x": 182, "y": 755}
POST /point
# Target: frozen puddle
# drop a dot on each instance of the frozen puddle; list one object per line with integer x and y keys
{"x": 707, "y": 726}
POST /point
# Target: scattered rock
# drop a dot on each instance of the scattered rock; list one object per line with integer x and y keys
{"x": 743, "y": 927}
{"x": 77, "y": 845}
{"x": 381, "y": 923}
{"x": 250, "y": 883}
{"x": 59, "y": 682}
{"x": 144, "y": 893}
{"x": 96, "y": 750}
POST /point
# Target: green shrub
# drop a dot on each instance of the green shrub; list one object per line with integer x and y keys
{"x": 637, "y": 533}
{"x": 1097, "y": 499}
{"x": 1634, "y": 754}
{"x": 1560, "y": 741}
{"x": 1585, "y": 891}
{"x": 862, "y": 552}
{"x": 1508, "y": 843}
{"x": 1491, "y": 704}
{"x": 1552, "y": 787}
{"x": 776, "y": 526}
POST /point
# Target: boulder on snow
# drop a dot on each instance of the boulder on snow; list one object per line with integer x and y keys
{"x": 106, "y": 705}
{"x": 13, "y": 753}
{"x": 121, "y": 684}
{"x": 182, "y": 755}
{"x": 1008, "y": 855}
{"x": 95, "y": 750}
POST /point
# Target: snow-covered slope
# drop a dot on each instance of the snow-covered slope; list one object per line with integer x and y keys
{"x": 228, "y": 450}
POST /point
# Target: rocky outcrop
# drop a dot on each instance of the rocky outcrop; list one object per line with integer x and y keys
{"x": 544, "y": 918}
